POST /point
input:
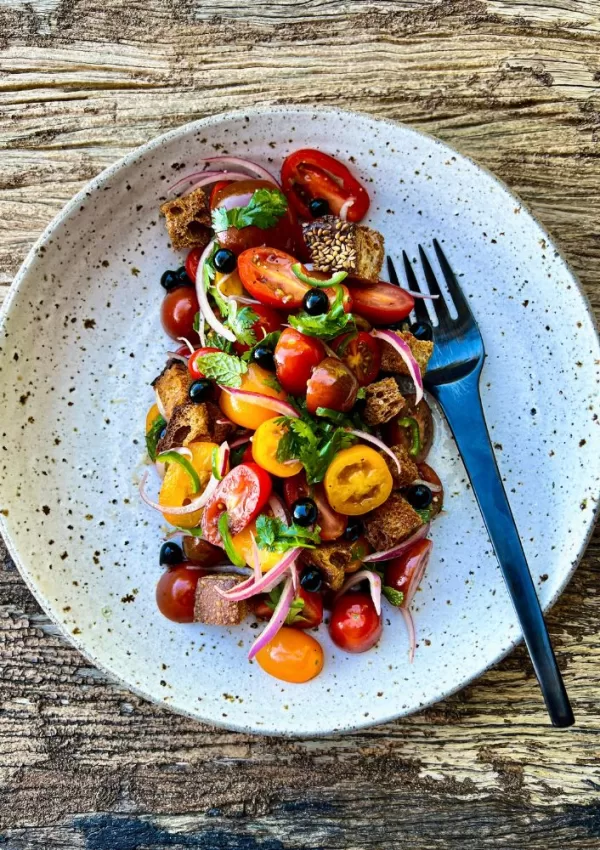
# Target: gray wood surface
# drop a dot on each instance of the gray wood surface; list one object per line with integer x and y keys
{"x": 83, "y": 763}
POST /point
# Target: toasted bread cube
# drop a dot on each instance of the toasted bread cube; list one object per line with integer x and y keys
{"x": 335, "y": 245}
{"x": 209, "y": 605}
{"x": 391, "y": 523}
{"x": 409, "y": 470}
{"x": 189, "y": 423}
{"x": 220, "y": 427}
{"x": 188, "y": 220}
{"x": 332, "y": 559}
{"x": 172, "y": 386}
{"x": 383, "y": 401}
{"x": 391, "y": 361}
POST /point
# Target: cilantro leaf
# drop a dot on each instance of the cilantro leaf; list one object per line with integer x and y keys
{"x": 396, "y": 597}
{"x": 313, "y": 443}
{"x": 153, "y": 436}
{"x": 225, "y": 369}
{"x": 296, "y": 608}
{"x": 241, "y": 323}
{"x": 275, "y": 536}
{"x": 425, "y": 515}
{"x": 215, "y": 340}
{"x": 265, "y": 208}
{"x": 269, "y": 340}
{"x": 328, "y": 325}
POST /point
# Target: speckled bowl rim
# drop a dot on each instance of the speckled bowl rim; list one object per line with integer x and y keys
{"x": 94, "y": 185}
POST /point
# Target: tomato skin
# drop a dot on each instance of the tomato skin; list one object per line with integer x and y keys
{"x": 264, "y": 450}
{"x": 268, "y": 321}
{"x": 307, "y": 174}
{"x": 396, "y": 435}
{"x": 243, "y": 492}
{"x": 216, "y": 189}
{"x": 429, "y": 475}
{"x": 331, "y": 523}
{"x": 331, "y": 385}
{"x": 357, "y": 480}
{"x": 176, "y": 487}
{"x": 176, "y": 593}
{"x": 292, "y": 656}
{"x": 248, "y": 414}
{"x": 285, "y": 234}
{"x": 267, "y": 275}
{"x": 192, "y": 361}
{"x": 361, "y": 354}
{"x": 399, "y": 572}
{"x": 296, "y": 355}
{"x": 192, "y": 262}
{"x": 310, "y": 616}
{"x": 177, "y": 312}
{"x": 201, "y": 553}
{"x": 380, "y": 303}
{"x": 355, "y": 625}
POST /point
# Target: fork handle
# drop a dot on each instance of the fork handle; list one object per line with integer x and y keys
{"x": 461, "y": 404}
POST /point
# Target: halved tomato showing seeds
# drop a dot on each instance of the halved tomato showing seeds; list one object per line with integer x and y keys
{"x": 241, "y": 494}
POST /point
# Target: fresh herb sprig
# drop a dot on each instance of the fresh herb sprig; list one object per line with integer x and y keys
{"x": 225, "y": 369}
{"x": 314, "y": 442}
{"x": 264, "y": 209}
{"x": 327, "y": 325}
{"x": 275, "y": 536}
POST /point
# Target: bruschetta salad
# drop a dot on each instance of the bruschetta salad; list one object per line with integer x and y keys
{"x": 289, "y": 432}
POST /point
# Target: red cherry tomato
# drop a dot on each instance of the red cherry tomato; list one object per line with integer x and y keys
{"x": 405, "y": 572}
{"x": 178, "y": 312}
{"x": 307, "y": 618}
{"x": 380, "y": 303}
{"x": 296, "y": 355}
{"x": 192, "y": 262}
{"x": 248, "y": 457}
{"x": 220, "y": 184}
{"x": 331, "y": 385}
{"x": 176, "y": 592}
{"x": 286, "y": 234}
{"x": 355, "y": 625}
{"x": 192, "y": 361}
{"x": 242, "y": 494}
{"x": 267, "y": 275}
{"x": 430, "y": 476}
{"x": 308, "y": 174}
{"x": 331, "y": 523}
{"x": 361, "y": 354}
{"x": 268, "y": 321}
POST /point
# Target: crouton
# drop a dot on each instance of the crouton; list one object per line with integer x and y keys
{"x": 332, "y": 559}
{"x": 188, "y": 220}
{"x": 410, "y": 471}
{"x": 336, "y": 245}
{"x": 391, "y": 361}
{"x": 209, "y": 605}
{"x": 172, "y": 386}
{"x": 195, "y": 422}
{"x": 391, "y": 523}
{"x": 220, "y": 427}
{"x": 383, "y": 401}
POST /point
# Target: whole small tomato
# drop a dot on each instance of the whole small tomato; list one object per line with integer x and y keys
{"x": 355, "y": 625}
{"x": 296, "y": 355}
{"x": 430, "y": 476}
{"x": 268, "y": 321}
{"x": 292, "y": 656}
{"x": 192, "y": 262}
{"x": 361, "y": 354}
{"x": 176, "y": 593}
{"x": 331, "y": 385}
{"x": 202, "y": 553}
{"x": 178, "y": 311}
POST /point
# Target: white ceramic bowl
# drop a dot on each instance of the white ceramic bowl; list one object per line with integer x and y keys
{"x": 81, "y": 341}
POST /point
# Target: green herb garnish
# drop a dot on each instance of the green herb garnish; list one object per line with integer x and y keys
{"x": 275, "y": 536}
{"x": 153, "y": 436}
{"x": 242, "y": 322}
{"x": 396, "y": 597}
{"x": 425, "y": 514}
{"x": 296, "y": 608}
{"x": 313, "y": 443}
{"x": 215, "y": 340}
{"x": 265, "y": 208}
{"x": 338, "y": 277}
{"x": 410, "y": 422}
{"x": 233, "y": 556}
{"x": 328, "y": 325}
{"x": 269, "y": 340}
{"x": 175, "y": 457}
{"x": 225, "y": 369}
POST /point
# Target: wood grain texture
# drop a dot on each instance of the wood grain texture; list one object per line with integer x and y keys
{"x": 83, "y": 763}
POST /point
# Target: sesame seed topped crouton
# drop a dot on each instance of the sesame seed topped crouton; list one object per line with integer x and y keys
{"x": 336, "y": 245}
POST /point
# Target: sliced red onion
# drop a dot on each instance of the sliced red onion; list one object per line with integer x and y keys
{"x": 417, "y": 576}
{"x": 374, "y": 586}
{"x": 224, "y": 452}
{"x": 161, "y": 407}
{"x": 201, "y": 330}
{"x": 369, "y": 438}
{"x": 277, "y": 619}
{"x": 412, "y": 637}
{"x": 187, "y": 344}
{"x": 174, "y": 355}
{"x": 403, "y": 349}
{"x": 205, "y": 309}
{"x": 256, "y": 559}
{"x": 224, "y": 422}
{"x": 265, "y": 401}
{"x": 278, "y": 509}
{"x": 295, "y": 577}
{"x": 239, "y": 441}
{"x": 267, "y": 581}
{"x": 345, "y": 207}
{"x": 194, "y": 505}
{"x": 330, "y": 351}
{"x": 204, "y": 178}
{"x": 389, "y": 554}
{"x": 435, "y": 488}
{"x": 253, "y": 168}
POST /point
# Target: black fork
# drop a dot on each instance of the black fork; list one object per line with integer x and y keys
{"x": 452, "y": 378}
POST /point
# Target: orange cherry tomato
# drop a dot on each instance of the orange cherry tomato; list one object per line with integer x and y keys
{"x": 264, "y": 450}
{"x": 176, "y": 488}
{"x": 249, "y": 414}
{"x": 152, "y": 416}
{"x": 292, "y": 656}
{"x": 242, "y": 543}
{"x": 357, "y": 481}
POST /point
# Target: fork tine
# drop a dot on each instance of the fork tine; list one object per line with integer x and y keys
{"x": 392, "y": 272}
{"x": 434, "y": 287}
{"x": 460, "y": 302}
{"x": 420, "y": 310}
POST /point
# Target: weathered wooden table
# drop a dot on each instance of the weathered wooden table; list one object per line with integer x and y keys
{"x": 83, "y": 763}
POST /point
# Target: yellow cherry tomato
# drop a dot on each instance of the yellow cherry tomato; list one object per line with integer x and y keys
{"x": 176, "y": 488}
{"x": 152, "y": 416}
{"x": 264, "y": 450}
{"x": 232, "y": 284}
{"x": 292, "y": 656}
{"x": 249, "y": 414}
{"x": 357, "y": 481}
{"x": 242, "y": 543}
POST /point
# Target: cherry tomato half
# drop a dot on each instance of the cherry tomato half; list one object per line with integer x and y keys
{"x": 267, "y": 275}
{"x": 264, "y": 449}
{"x": 249, "y": 413}
{"x": 430, "y": 476}
{"x": 308, "y": 174}
{"x": 193, "y": 368}
{"x": 292, "y": 656}
{"x": 331, "y": 385}
{"x": 176, "y": 592}
{"x": 331, "y": 523}
{"x": 296, "y": 355}
{"x": 267, "y": 322}
{"x": 361, "y": 354}
{"x": 355, "y": 625}
{"x": 192, "y": 262}
{"x": 380, "y": 303}
{"x": 242, "y": 494}
{"x": 405, "y": 573}
{"x": 178, "y": 311}
{"x": 357, "y": 481}
{"x": 286, "y": 234}
{"x": 395, "y": 434}
{"x": 308, "y": 617}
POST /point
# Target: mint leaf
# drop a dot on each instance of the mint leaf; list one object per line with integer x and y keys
{"x": 275, "y": 536}
{"x": 265, "y": 208}
{"x": 396, "y": 597}
{"x": 362, "y": 393}
{"x": 153, "y": 436}
{"x": 328, "y": 325}
{"x": 241, "y": 323}
{"x": 225, "y": 369}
